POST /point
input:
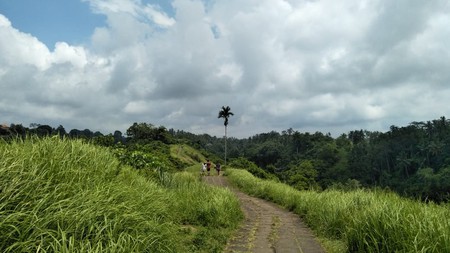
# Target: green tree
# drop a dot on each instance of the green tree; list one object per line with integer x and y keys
{"x": 225, "y": 113}
{"x": 303, "y": 176}
{"x": 267, "y": 153}
{"x": 140, "y": 131}
{"x": 146, "y": 132}
{"x": 104, "y": 140}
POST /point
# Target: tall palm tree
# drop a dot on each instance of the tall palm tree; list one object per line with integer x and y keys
{"x": 225, "y": 113}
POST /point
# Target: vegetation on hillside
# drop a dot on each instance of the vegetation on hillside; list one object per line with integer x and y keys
{"x": 413, "y": 160}
{"x": 62, "y": 195}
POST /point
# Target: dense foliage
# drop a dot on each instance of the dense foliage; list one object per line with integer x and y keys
{"x": 412, "y": 160}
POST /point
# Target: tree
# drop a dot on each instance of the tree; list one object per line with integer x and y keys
{"x": 140, "y": 131}
{"x": 4, "y": 130}
{"x": 146, "y": 132}
{"x": 118, "y": 136}
{"x": 225, "y": 113}
{"x": 44, "y": 130}
{"x": 302, "y": 176}
{"x": 61, "y": 131}
{"x": 18, "y": 130}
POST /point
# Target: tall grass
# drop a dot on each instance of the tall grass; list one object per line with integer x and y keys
{"x": 365, "y": 221}
{"x": 214, "y": 212}
{"x": 68, "y": 196}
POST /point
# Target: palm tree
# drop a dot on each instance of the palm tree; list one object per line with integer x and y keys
{"x": 225, "y": 113}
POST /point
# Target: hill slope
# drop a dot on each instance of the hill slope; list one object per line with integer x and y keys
{"x": 186, "y": 154}
{"x": 60, "y": 195}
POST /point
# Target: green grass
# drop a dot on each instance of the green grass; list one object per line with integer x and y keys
{"x": 214, "y": 212}
{"x": 69, "y": 196}
{"x": 186, "y": 154}
{"x": 361, "y": 220}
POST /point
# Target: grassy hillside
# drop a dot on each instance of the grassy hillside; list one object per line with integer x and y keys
{"x": 186, "y": 154}
{"x": 192, "y": 157}
{"x": 359, "y": 221}
{"x": 68, "y": 196}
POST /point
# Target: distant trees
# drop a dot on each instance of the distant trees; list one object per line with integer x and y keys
{"x": 61, "y": 131}
{"x": 410, "y": 160}
{"x": 4, "y": 130}
{"x": 413, "y": 160}
{"x": 86, "y": 133}
{"x": 40, "y": 130}
{"x": 44, "y": 130}
{"x": 18, "y": 130}
{"x": 138, "y": 132}
{"x": 118, "y": 137}
{"x": 145, "y": 132}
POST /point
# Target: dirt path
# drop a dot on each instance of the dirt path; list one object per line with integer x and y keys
{"x": 267, "y": 227}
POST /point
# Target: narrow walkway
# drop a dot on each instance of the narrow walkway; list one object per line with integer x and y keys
{"x": 267, "y": 227}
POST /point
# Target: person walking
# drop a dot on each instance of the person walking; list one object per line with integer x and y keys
{"x": 203, "y": 169}
{"x": 218, "y": 169}
{"x": 208, "y": 166}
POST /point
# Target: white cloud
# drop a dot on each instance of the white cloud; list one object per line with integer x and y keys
{"x": 312, "y": 65}
{"x": 4, "y": 22}
{"x": 136, "y": 107}
{"x": 19, "y": 48}
{"x": 134, "y": 8}
{"x": 64, "y": 53}
{"x": 160, "y": 18}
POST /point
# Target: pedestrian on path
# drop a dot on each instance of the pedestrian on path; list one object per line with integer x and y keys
{"x": 218, "y": 169}
{"x": 208, "y": 166}
{"x": 203, "y": 169}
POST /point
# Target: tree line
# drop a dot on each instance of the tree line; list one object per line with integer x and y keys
{"x": 412, "y": 160}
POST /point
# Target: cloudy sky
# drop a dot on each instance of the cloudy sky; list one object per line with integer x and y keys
{"x": 322, "y": 65}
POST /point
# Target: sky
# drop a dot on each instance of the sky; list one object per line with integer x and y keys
{"x": 310, "y": 65}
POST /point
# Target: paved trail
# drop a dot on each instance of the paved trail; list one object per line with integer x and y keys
{"x": 267, "y": 227}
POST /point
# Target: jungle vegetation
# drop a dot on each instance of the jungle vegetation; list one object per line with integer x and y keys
{"x": 412, "y": 160}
